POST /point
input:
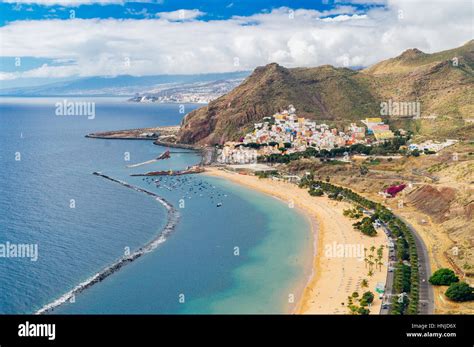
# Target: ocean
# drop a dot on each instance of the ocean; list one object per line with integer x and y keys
{"x": 233, "y": 250}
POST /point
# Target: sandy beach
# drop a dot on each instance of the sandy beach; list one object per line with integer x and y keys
{"x": 334, "y": 275}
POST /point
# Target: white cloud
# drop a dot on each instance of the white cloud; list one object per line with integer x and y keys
{"x": 343, "y": 18}
{"x": 8, "y": 76}
{"x": 180, "y": 15}
{"x": 291, "y": 38}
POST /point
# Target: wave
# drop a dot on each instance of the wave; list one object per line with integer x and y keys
{"x": 173, "y": 218}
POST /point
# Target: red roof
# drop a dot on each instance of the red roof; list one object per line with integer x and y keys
{"x": 393, "y": 190}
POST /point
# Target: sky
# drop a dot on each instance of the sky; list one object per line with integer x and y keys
{"x": 51, "y": 40}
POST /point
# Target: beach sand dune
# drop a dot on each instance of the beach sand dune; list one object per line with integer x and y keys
{"x": 338, "y": 264}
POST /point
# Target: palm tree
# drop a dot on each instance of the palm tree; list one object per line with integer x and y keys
{"x": 364, "y": 283}
{"x": 379, "y": 260}
{"x": 380, "y": 263}
{"x": 371, "y": 273}
{"x": 370, "y": 261}
{"x": 380, "y": 251}
{"x": 371, "y": 264}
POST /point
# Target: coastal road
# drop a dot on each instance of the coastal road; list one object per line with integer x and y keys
{"x": 389, "y": 281}
{"x": 426, "y": 305}
{"x": 426, "y": 295}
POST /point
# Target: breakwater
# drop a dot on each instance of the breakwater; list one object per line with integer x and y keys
{"x": 173, "y": 218}
{"x": 159, "y": 142}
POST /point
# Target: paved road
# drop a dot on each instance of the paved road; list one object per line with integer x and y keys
{"x": 389, "y": 281}
{"x": 426, "y": 305}
{"x": 426, "y": 295}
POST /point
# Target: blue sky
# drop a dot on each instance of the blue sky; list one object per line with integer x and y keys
{"x": 214, "y": 9}
{"x": 57, "y": 39}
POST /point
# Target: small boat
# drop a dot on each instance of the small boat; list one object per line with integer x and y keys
{"x": 189, "y": 170}
{"x": 219, "y": 204}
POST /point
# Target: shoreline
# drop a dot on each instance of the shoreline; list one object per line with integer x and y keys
{"x": 330, "y": 279}
{"x": 313, "y": 223}
{"x": 311, "y": 272}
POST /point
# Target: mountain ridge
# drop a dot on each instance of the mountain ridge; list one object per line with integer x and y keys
{"x": 126, "y": 85}
{"x": 341, "y": 95}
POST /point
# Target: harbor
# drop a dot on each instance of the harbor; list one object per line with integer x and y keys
{"x": 190, "y": 170}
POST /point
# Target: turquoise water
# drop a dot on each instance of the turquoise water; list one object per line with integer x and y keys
{"x": 196, "y": 263}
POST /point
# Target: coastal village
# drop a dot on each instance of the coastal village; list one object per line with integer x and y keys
{"x": 286, "y": 133}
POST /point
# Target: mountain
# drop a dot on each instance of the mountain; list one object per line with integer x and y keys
{"x": 442, "y": 82}
{"x": 324, "y": 93}
{"x": 339, "y": 96}
{"x": 118, "y": 85}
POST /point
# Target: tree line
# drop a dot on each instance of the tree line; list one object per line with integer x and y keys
{"x": 406, "y": 277}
